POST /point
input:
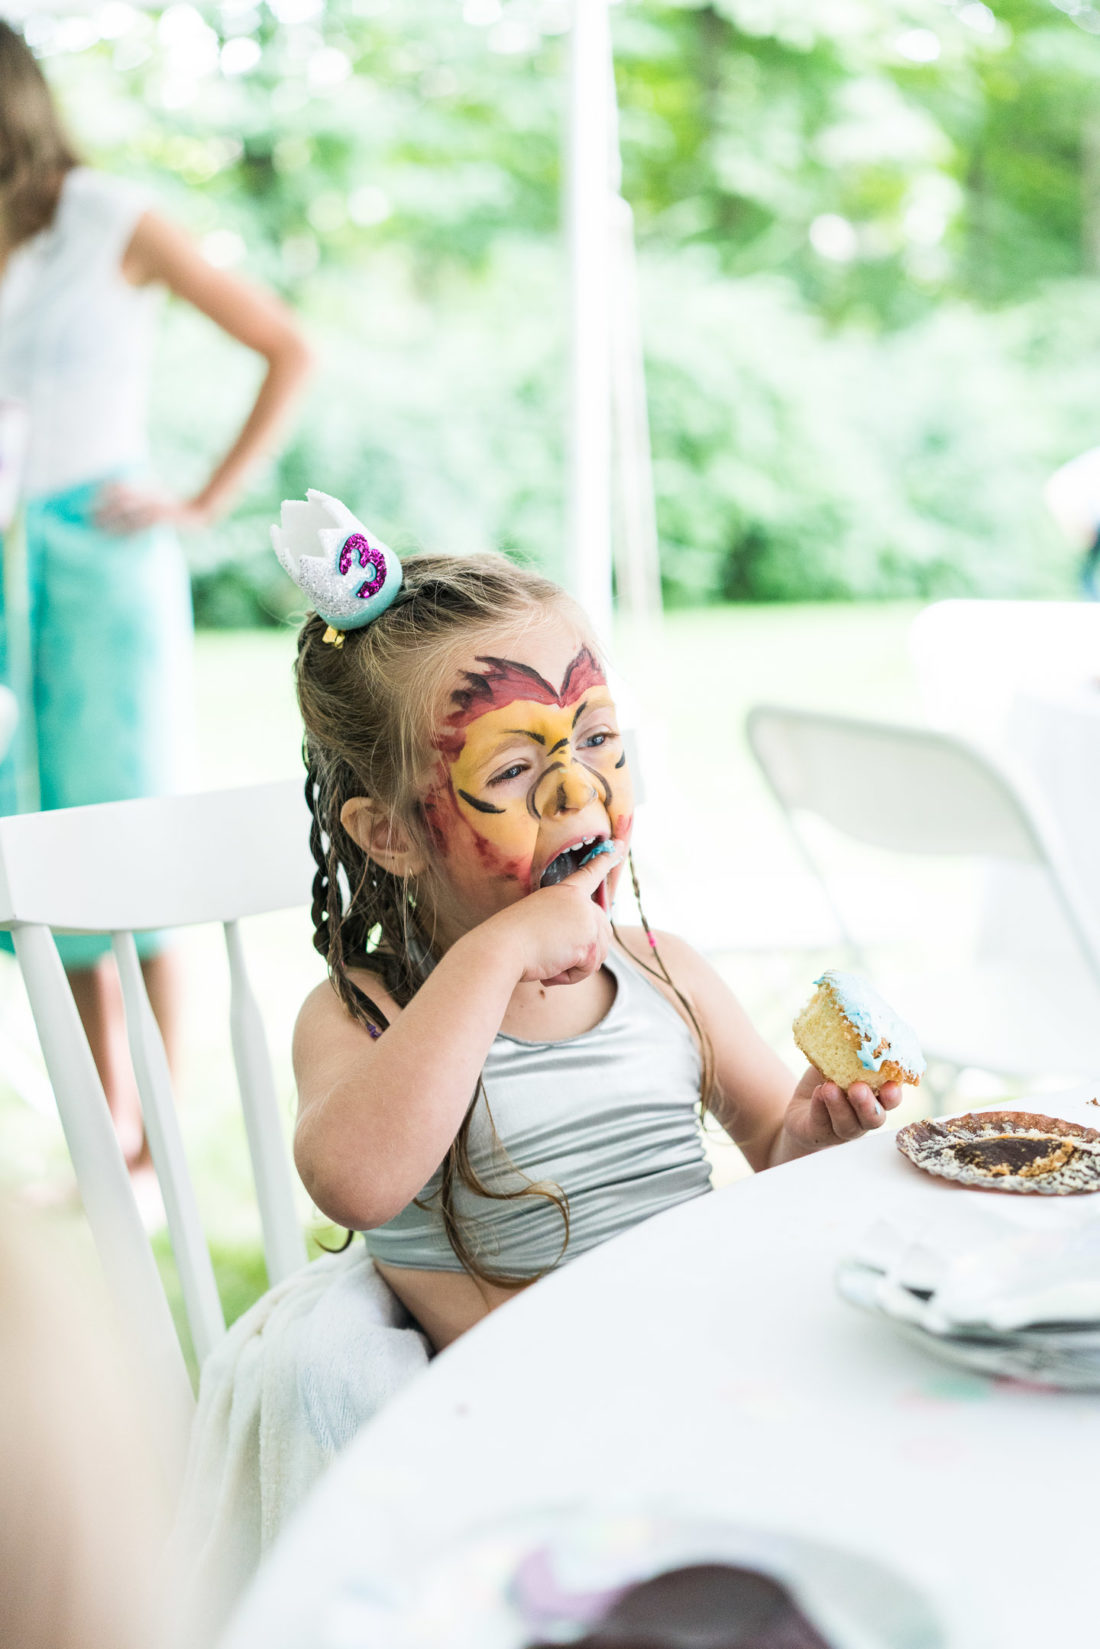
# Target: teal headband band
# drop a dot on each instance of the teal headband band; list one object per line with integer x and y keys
{"x": 349, "y": 575}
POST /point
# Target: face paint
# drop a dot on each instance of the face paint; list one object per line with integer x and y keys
{"x": 527, "y": 769}
{"x": 503, "y": 681}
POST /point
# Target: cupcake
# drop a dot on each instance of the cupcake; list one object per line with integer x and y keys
{"x": 851, "y": 1035}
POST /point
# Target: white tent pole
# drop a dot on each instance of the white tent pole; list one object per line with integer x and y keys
{"x": 588, "y": 197}
{"x": 638, "y": 560}
{"x": 634, "y": 512}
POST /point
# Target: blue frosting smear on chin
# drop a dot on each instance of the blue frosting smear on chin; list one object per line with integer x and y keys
{"x": 876, "y": 1022}
{"x": 600, "y": 847}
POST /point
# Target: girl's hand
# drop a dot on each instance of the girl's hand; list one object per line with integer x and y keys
{"x": 560, "y": 933}
{"x": 822, "y": 1114}
{"x": 124, "y": 509}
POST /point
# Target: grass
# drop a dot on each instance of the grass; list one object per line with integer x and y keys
{"x": 706, "y": 814}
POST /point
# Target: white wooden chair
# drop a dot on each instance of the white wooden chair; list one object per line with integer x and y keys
{"x": 120, "y": 868}
{"x": 994, "y": 956}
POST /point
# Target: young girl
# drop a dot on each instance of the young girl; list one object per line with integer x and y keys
{"x": 497, "y": 1077}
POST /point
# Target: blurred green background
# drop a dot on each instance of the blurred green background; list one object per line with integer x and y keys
{"x": 868, "y": 234}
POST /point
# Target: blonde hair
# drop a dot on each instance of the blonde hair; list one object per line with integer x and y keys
{"x": 369, "y": 707}
{"x": 35, "y": 150}
{"x": 368, "y": 710}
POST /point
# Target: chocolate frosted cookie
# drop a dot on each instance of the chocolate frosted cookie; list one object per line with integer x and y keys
{"x": 1006, "y": 1151}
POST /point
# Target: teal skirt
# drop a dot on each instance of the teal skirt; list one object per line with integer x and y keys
{"x": 95, "y": 641}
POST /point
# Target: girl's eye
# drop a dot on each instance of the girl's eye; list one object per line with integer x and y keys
{"x": 595, "y": 740}
{"x": 509, "y": 773}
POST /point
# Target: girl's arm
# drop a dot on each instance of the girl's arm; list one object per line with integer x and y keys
{"x": 376, "y": 1115}
{"x": 159, "y": 251}
{"x": 757, "y": 1103}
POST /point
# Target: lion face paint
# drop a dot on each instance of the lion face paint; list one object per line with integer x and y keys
{"x": 531, "y": 772}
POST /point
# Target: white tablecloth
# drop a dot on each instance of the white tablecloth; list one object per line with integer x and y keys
{"x": 705, "y": 1359}
{"x": 1057, "y": 734}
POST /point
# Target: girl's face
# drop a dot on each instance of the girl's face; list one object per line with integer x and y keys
{"x": 529, "y": 774}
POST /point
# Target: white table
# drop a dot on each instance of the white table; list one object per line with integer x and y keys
{"x": 1057, "y": 733}
{"x": 705, "y": 1358}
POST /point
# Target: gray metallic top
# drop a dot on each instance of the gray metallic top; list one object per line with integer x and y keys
{"x": 609, "y": 1116}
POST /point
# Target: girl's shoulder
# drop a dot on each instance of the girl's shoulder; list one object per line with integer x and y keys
{"x": 324, "y": 1000}
{"x": 635, "y": 944}
{"x": 327, "y": 1036}
{"x": 686, "y": 968}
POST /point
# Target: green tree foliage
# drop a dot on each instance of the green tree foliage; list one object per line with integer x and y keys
{"x": 868, "y": 233}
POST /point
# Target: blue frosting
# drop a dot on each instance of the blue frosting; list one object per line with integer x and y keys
{"x": 876, "y": 1022}
{"x": 600, "y": 847}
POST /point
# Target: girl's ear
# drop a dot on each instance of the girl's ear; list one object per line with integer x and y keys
{"x": 382, "y": 837}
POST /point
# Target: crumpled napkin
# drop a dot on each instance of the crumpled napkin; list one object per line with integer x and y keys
{"x": 974, "y": 1268}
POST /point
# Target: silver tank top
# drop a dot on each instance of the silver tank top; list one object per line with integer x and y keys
{"x": 608, "y": 1117}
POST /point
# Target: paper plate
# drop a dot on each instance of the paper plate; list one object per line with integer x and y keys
{"x": 548, "y": 1578}
{"x": 1017, "y": 1151}
{"x": 1064, "y": 1357}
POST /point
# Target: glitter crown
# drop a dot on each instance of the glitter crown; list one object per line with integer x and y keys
{"x": 355, "y": 576}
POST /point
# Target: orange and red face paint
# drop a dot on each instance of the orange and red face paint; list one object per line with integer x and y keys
{"x": 565, "y": 738}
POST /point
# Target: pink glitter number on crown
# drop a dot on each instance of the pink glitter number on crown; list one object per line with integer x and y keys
{"x": 376, "y": 561}
{"x": 357, "y": 545}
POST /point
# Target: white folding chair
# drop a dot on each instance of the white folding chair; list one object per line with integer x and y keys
{"x": 1010, "y": 987}
{"x": 120, "y": 868}
{"x": 972, "y": 657}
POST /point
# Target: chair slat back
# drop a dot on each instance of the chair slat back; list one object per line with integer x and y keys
{"x": 158, "y": 1110}
{"x": 284, "y": 1246}
{"x": 109, "y": 1204}
{"x": 119, "y": 868}
{"x": 161, "y": 862}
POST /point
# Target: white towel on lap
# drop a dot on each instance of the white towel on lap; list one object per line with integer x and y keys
{"x": 293, "y": 1381}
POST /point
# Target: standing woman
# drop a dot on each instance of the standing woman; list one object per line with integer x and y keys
{"x": 107, "y": 699}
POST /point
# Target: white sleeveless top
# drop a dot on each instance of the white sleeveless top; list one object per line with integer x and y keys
{"x": 75, "y": 337}
{"x": 610, "y": 1117}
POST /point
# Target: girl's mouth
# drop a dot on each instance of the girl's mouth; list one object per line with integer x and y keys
{"x": 571, "y": 859}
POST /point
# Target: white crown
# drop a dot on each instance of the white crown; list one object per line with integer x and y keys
{"x": 354, "y": 578}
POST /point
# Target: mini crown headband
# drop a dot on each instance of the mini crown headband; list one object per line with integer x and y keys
{"x": 353, "y": 579}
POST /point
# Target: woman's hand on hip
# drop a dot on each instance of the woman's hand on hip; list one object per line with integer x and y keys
{"x": 121, "y": 508}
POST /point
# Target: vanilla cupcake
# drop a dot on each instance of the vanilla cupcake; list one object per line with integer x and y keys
{"x": 852, "y": 1035}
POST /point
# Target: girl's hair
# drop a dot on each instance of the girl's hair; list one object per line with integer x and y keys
{"x": 35, "y": 150}
{"x": 368, "y": 707}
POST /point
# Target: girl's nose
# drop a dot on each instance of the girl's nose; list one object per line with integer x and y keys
{"x": 566, "y": 789}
